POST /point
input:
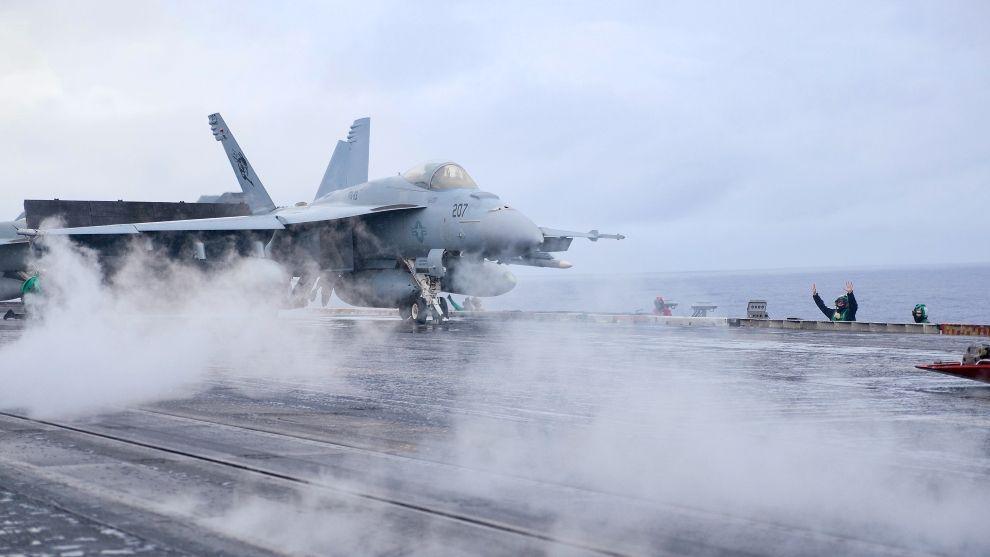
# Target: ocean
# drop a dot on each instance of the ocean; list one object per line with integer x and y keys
{"x": 953, "y": 294}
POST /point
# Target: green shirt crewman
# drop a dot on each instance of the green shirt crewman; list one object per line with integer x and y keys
{"x": 845, "y": 306}
{"x": 31, "y": 286}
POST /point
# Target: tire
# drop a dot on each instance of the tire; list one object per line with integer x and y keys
{"x": 444, "y": 308}
{"x": 419, "y": 312}
{"x": 405, "y": 311}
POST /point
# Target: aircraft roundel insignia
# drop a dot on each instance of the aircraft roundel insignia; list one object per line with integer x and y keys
{"x": 419, "y": 231}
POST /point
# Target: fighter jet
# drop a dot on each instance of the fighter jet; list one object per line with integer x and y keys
{"x": 394, "y": 242}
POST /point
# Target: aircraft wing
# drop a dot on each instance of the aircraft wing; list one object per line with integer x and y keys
{"x": 247, "y": 222}
{"x": 317, "y": 213}
{"x": 277, "y": 220}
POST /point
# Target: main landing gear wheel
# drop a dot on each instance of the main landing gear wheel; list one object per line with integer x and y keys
{"x": 419, "y": 312}
{"x": 443, "y": 308}
{"x": 405, "y": 311}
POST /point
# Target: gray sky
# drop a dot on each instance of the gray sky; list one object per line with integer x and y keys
{"x": 717, "y": 136}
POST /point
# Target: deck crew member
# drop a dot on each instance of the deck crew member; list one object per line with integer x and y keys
{"x": 660, "y": 307}
{"x": 845, "y": 306}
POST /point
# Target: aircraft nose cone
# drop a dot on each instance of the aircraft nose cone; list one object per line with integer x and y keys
{"x": 506, "y": 230}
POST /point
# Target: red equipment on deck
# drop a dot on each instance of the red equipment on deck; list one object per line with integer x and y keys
{"x": 975, "y": 364}
{"x": 980, "y": 371}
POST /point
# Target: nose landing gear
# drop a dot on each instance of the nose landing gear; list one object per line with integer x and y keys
{"x": 418, "y": 311}
{"x": 429, "y": 303}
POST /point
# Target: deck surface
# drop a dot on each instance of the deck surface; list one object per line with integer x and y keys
{"x": 516, "y": 437}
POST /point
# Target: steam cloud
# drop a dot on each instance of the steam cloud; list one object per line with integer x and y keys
{"x": 647, "y": 423}
{"x": 152, "y": 332}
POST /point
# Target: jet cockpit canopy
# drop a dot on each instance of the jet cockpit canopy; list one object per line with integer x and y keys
{"x": 439, "y": 176}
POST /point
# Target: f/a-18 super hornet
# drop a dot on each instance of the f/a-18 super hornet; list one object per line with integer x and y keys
{"x": 394, "y": 242}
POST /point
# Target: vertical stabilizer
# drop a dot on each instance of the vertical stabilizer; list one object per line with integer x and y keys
{"x": 349, "y": 162}
{"x": 257, "y": 197}
{"x": 359, "y": 138}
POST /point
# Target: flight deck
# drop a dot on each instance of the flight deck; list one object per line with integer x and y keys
{"x": 515, "y": 437}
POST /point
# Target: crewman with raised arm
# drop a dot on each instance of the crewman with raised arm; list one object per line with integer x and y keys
{"x": 845, "y": 305}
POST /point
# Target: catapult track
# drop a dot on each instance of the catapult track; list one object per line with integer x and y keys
{"x": 295, "y": 479}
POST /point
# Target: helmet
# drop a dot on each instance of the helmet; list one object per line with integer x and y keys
{"x": 31, "y": 286}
